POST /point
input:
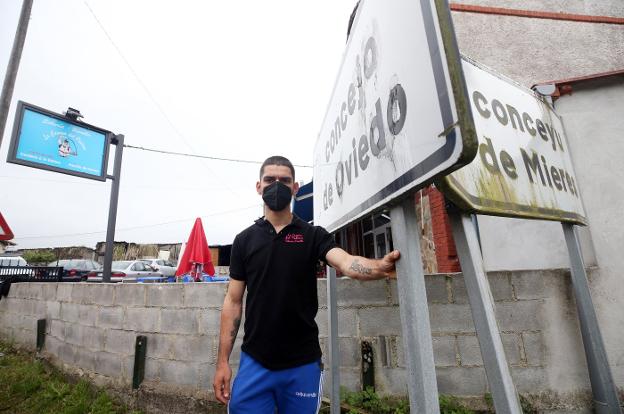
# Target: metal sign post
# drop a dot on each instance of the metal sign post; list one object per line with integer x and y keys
{"x": 118, "y": 141}
{"x": 482, "y": 306}
{"x": 416, "y": 330}
{"x": 603, "y": 387}
{"x": 334, "y": 351}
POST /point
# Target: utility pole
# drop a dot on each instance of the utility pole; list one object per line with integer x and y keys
{"x": 13, "y": 66}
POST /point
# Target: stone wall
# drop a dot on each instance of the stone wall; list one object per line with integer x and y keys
{"x": 91, "y": 330}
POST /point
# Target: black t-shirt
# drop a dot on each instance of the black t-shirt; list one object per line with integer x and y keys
{"x": 280, "y": 274}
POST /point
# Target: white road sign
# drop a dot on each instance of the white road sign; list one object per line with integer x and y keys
{"x": 395, "y": 119}
{"x": 523, "y": 166}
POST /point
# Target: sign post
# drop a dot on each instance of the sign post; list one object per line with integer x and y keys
{"x": 118, "y": 141}
{"x": 482, "y": 307}
{"x": 398, "y": 118}
{"x": 334, "y": 351}
{"x": 603, "y": 387}
{"x": 524, "y": 170}
{"x": 417, "y": 342}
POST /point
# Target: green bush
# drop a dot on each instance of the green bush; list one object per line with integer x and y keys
{"x": 39, "y": 256}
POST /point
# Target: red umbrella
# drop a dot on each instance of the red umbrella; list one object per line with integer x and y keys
{"x": 196, "y": 255}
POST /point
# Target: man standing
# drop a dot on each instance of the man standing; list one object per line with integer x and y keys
{"x": 275, "y": 259}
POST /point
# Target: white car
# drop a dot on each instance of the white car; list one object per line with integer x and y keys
{"x": 165, "y": 267}
{"x": 129, "y": 271}
{"x": 10, "y": 266}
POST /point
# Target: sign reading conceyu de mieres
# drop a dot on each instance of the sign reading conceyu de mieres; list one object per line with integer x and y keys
{"x": 523, "y": 167}
{"x": 395, "y": 119}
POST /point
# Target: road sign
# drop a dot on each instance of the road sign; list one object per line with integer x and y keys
{"x": 523, "y": 166}
{"x": 398, "y": 115}
{"x": 5, "y": 230}
{"x": 50, "y": 141}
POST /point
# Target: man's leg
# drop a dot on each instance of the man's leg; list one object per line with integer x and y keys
{"x": 252, "y": 391}
{"x": 301, "y": 389}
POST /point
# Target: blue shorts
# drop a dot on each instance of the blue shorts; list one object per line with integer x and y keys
{"x": 257, "y": 390}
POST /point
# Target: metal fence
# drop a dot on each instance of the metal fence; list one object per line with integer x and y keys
{"x": 31, "y": 273}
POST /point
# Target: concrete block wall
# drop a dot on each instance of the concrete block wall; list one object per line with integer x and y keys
{"x": 91, "y": 329}
{"x": 369, "y": 311}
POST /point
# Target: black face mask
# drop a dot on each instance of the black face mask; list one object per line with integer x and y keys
{"x": 277, "y": 195}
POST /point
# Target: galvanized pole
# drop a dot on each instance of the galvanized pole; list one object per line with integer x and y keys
{"x": 482, "y": 306}
{"x": 118, "y": 141}
{"x": 13, "y": 66}
{"x": 334, "y": 352}
{"x": 416, "y": 330}
{"x": 603, "y": 387}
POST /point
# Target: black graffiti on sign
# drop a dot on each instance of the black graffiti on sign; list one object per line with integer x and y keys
{"x": 373, "y": 143}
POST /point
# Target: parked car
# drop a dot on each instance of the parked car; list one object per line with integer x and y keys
{"x": 164, "y": 266}
{"x": 132, "y": 271}
{"x": 76, "y": 270}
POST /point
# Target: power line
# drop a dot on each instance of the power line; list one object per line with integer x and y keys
{"x": 203, "y": 156}
{"x": 176, "y": 187}
{"x": 142, "y": 226}
{"x": 147, "y": 91}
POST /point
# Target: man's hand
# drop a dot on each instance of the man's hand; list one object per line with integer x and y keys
{"x": 361, "y": 268}
{"x": 387, "y": 265}
{"x": 221, "y": 383}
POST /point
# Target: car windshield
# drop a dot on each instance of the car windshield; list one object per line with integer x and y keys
{"x": 71, "y": 264}
{"x": 76, "y": 264}
{"x": 121, "y": 265}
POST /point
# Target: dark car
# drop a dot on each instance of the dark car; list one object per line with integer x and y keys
{"x": 76, "y": 270}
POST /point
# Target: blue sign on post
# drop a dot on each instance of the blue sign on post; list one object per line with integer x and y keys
{"x": 46, "y": 140}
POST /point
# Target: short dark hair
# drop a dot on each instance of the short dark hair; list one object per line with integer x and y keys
{"x": 278, "y": 160}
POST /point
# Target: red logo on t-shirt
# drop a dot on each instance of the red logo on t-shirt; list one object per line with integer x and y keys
{"x": 294, "y": 238}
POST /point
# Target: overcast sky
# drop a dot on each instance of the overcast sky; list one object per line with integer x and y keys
{"x": 232, "y": 79}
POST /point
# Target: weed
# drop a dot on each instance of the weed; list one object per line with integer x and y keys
{"x": 28, "y": 387}
{"x": 369, "y": 402}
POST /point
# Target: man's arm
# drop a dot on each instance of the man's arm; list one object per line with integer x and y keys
{"x": 361, "y": 268}
{"x": 230, "y": 322}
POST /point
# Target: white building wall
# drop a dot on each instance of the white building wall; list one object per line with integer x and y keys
{"x": 594, "y": 120}
{"x": 517, "y": 244}
{"x": 531, "y": 50}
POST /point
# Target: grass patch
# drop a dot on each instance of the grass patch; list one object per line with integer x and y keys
{"x": 29, "y": 387}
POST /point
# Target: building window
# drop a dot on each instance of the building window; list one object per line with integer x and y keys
{"x": 376, "y": 236}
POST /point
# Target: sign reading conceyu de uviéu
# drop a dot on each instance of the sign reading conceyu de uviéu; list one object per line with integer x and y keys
{"x": 523, "y": 167}
{"x": 395, "y": 118}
